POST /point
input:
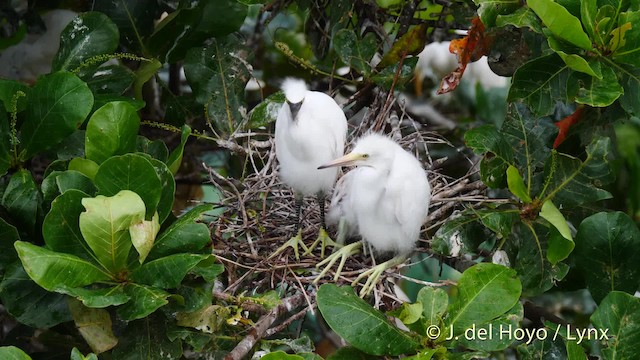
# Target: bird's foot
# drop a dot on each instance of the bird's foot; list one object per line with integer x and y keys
{"x": 294, "y": 242}
{"x": 343, "y": 253}
{"x": 373, "y": 274}
{"x": 324, "y": 240}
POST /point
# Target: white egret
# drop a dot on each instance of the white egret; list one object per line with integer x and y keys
{"x": 385, "y": 199}
{"x": 310, "y": 130}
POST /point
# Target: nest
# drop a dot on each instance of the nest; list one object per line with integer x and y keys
{"x": 258, "y": 212}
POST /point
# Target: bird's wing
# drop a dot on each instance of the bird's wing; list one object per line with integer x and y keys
{"x": 411, "y": 198}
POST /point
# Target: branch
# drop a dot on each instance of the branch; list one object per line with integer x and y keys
{"x": 262, "y": 326}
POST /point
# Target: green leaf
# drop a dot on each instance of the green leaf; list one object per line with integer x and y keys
{"x": 267, "y": 111}
{"x": 209, "y": 269}
{"x": 175, "y": 158}
{"x": 630, "y": 81}
{"x": 628, "y": 50}
{"x": 157, "y": 149}
{"x": 186, "y": 28}
{"x": 111, "y": 130}
{"x": 77, "y": 355}
{"x": 61, "y": 227}
{"x": 168, "y": 186}
{"x": 167, "y": 272}
{"x": 408, "y": 313}
{"x": 144, "y": 301}
{"x": 350, "y": 353}
{"x": 486, "y": 291}
{"x": 6, "y": 147}
{"x": 29, "y": 303}
{"x": 147, "y": 339}
{"x": 218, "y": 77}
{"x": 606, "y": 253}
{"x": 593, "y": 91}
{"x": 559, "y": 246}
{"x": 620, "y": 314}
{"x": 53, "y": 270}
{"x": 281, "y": 355}
{"x": 94, "y": 325}
{"x": 21, "y": 198}
{"x": 571, "y": 182}
{"x": 488, "y": 10}
{"x": 58, "y": 182}
{"x": 105, "y": 226}
{"x": 434, "y": 304}
{"x": 490, "y": 336}
{"x": 58, "y": 104}
{"x": 130, "y": 172}
{"x": 523, "y": 17}
{"x": 516, "y": 184}
{"x": 184, "y": 235}
{"x": 588, "y": 9}
{"x": 359, "y": 324}
{"x": 87, "y": 167}
{"x": 145, "y": 72}
{"x": 13, "y": 353}
{"x": 98, "y": 298}
{"x": 561, "y": 23}
{"x": 143, "y": 234}
{"x": 540, "y": 83}
{"x": 8, "y": 235}
{"x": 108, "y": 79}
{"x": 209, "y": 319}
{"x": 355, "y": 52}
{"x": 8, "y": 89}
{"x": 500, "y": 222}
{"x": 88, "y": 35}
{"x": 72, "y": 146}
{"x": 390, "y": 75}
{"x": 573, "y": 61}
{"x": 134, "y": 19}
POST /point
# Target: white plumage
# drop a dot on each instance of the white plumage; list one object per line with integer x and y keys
{"x": 310, "y": 130}
{"x": 385, "y": 199}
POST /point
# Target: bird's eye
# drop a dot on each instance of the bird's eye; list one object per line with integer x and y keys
{"x": 365, "y": 156}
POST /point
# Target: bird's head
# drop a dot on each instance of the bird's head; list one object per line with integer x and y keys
{"x": 373, "y": 150}
{"x": 294, "y": 92}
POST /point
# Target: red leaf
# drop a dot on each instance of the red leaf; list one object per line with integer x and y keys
{"x": 564, "y": 125}
{"x": 467, "y": 49}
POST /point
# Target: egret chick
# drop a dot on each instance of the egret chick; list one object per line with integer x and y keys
{"x": 386, "y": 198}
{"x": 310, "y": 131}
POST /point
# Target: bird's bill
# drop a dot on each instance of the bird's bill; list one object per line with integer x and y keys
{"x": 346, "y": 160}
{"x": 294, "y": 107}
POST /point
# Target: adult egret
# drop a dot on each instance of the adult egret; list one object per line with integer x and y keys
{"x": 385, "y": 199}
{"x": 310, "y": 130}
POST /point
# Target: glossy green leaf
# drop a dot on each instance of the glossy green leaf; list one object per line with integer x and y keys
{"x": 559, "y": 246}
{"x": 184, "y": 235}
{"x": 8, "y": 89}
{"x": 561, "y": 23}
{"x": 21, "y": 198}
{"x": 606, "y": 253}
{"x": 85, "y": 166}
{"x": 145, "y": 72}
{"x": 493, "y": 171}
{"x": 134, "y": 19}
{"x": 390, "y": 75}
{"x": 491, "y": 336}
{"x": 108, "y": 79}
{"x": 488, "y": 10}
{"x": 72, "y": 146}
{"x": 57, "y": 182}
{"x": 209, "y": 269}
{"x": 628, "y": 49}
{"x": 361, "y": 325}
{"x": 130, "y": 172}
{"x": 540, "y": 83}
{"x": 350, "y": 353}
{"x": 8, "y": 235}
{"x": 98, "y": 298}
{"x": 29, "y": 303}
{"x": 551, "y": 213}
{"x": 630, "y": 81}
{"x": 516, "y": 184}
{"x": 500, "y": 222}
{"x": 61, "y": 227}
{"x": 574, "y": 61}
{"x": 619, "y": 313}
{"x": 167, "y": 272}
{"x": 588, "y": 9}
{"x": 105, "y": 226}
{"x": 523, "y": 17}
{"x": 218, "y": 75}
{"x": 281, "y": 355}
{"x": 168, "y": 186}
{"x": 143, "y": 234}
{"x": 94, "y": 325}
{"x": 486, "y": 291}
{"x": 408, "y": 313}
{"x": 88, "y": 35}
{"x": 209, "y": 319}
{"x": 144, "y": 301}
{"x": 53, "y": 270}
{"x": 175, "y": 158}
{"x": 58, "y": 104}
{"x": 157, "y": 149}
{"x": 111, "y": 130}
{"x": 355, "y": 52}
{"x": 267, "y": 111}
{"x": 13, "y": 353}
{"x": 77, "y": 355}
{"x": 147, "y": 339}
{"x": 570, "y": 182}
{"x": 434, "y": 304}
{"x": 593, "y": 91}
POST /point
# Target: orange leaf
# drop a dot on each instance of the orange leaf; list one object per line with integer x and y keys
{"x": 564, "y": 125}
{"x": 467, "y": 49}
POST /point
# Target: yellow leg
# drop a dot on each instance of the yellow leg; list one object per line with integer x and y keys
{"x": 343, "y": 253}
{"x": 324, "y": 240}
{"x": 373, "y": 274}
{"x": 294, "y": 242}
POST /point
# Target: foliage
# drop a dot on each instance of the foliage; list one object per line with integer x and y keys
{"x": 92, "y": 240}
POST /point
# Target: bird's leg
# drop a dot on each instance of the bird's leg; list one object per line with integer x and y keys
{"x": 343, "y": 253}
{"x": 373, "y": 274}
{"x": 323, "y": 238}
{"x": 296, "y": 240}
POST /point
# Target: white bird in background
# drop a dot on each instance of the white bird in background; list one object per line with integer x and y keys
{"x": 310, "y": 131}
{"x": 385, "y": 199}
